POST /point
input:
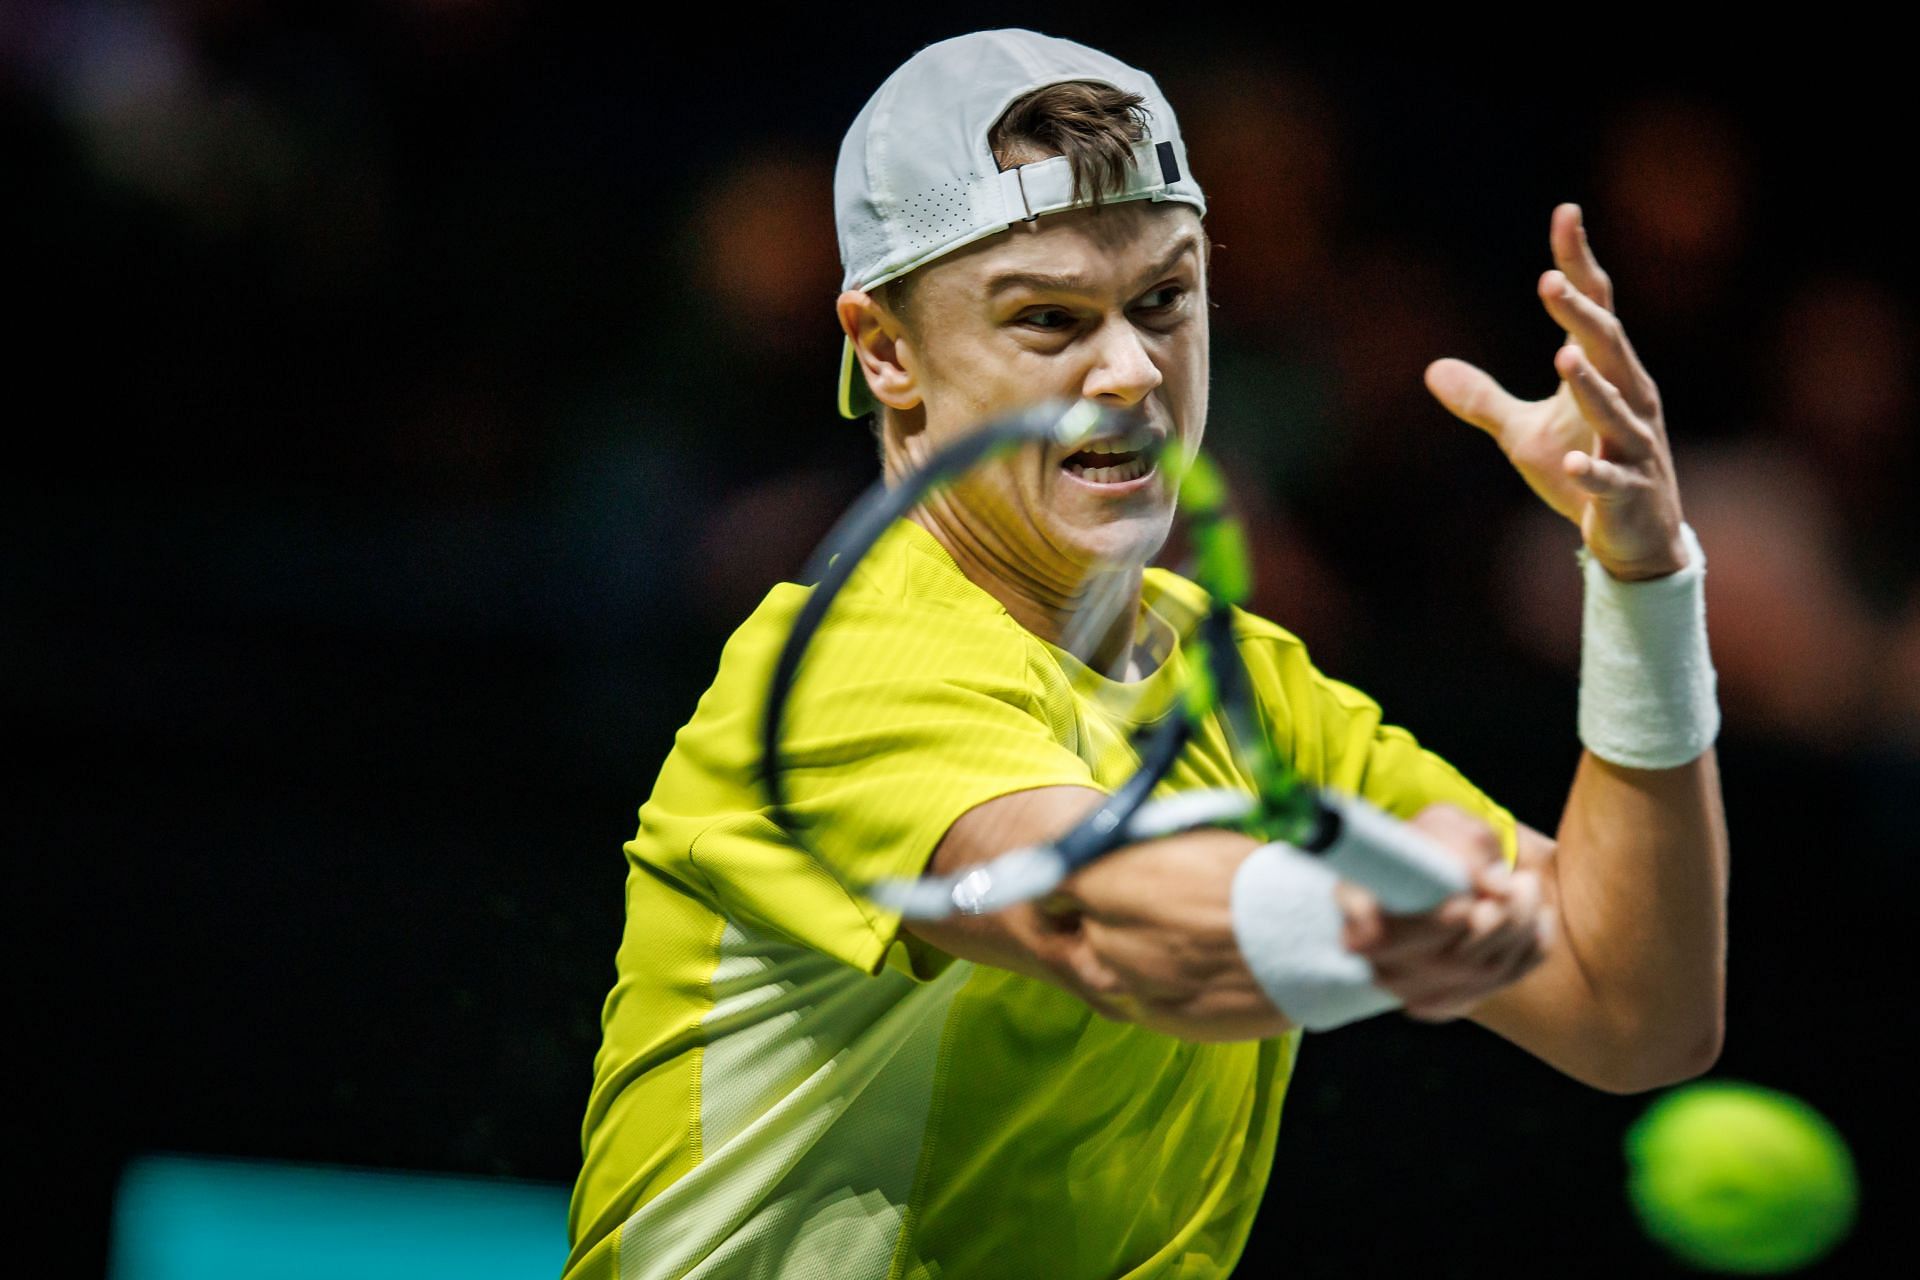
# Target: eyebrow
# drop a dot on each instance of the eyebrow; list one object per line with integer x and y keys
{"x": 1077, "y": 284}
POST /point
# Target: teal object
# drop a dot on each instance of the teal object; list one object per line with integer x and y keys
{"x": 192, "y": 1218}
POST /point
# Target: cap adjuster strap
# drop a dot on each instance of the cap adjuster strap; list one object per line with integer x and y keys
{"x": 1013, "y": 194}
{"x": 1021, "y": 182}
{"x": 1169, "y": 163}
{"x": 1046, "y": 186}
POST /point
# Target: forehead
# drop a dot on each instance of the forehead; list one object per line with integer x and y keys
{"x": 1111, "y": 247}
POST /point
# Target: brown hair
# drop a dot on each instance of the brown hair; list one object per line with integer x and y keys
{"x": 1093, "y": 125}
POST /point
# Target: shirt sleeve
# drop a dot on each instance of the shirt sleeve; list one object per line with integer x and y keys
{"x": 1335, "y": 736}
{"x": 889, "y": 739}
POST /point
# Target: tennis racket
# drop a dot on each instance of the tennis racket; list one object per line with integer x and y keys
{"x": 1204, "y": 701}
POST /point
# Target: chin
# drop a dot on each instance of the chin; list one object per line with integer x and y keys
{"x": 1133, "y": 538}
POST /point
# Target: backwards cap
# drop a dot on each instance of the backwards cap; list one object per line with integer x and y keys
{"x": 917, "y": 179}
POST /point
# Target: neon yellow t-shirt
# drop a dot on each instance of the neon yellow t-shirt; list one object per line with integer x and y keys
{"x": 784, "y": 1089}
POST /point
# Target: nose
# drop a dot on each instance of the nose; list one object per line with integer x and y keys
{"x": 1123, "y": 370}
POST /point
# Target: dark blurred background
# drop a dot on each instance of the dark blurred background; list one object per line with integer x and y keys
{"x": 408, "y": 398}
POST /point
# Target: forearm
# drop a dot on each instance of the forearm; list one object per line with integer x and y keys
{"x": 1174, "y": 968}
{"x": 1142, "y": 935}
{"x": 1643, "y": 841}
{"x": 1642, "y": 878}
{"x": 1208, "y": 936}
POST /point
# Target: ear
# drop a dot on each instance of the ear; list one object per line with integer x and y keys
{"x": 883, "y": 349}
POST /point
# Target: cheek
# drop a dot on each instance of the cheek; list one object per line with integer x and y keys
{"x": 964, "y": 384}
{"x": 974, "y": 391}
{"x": 1188, "y": 374}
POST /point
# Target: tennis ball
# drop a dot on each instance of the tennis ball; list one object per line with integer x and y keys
{"x": 1735, "y": 1178}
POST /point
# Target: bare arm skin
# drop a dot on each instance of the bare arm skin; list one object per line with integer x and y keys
{"x": 1640, "y": 876}
{"x": 1635, "y": 1000}
{"x": 1145, "y": 934}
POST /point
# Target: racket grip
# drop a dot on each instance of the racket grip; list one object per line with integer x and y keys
{"x": 1402, "y": 867}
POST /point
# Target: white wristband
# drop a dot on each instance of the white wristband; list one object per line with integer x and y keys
{"x": 1646, "y": 678}
{"x": 1289, "y": 929}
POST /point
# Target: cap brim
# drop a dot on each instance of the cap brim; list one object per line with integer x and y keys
{"x": 855, "y": 400}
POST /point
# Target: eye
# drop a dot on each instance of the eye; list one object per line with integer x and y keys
{"x": 1163, "y": 299}
{"x": 1048, "y": 319}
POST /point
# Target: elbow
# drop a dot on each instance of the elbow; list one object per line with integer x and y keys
{"x": 1708, "y": 1048}
{"x": 1664, "y": 1038}
{"x": 1648, "y": 1066}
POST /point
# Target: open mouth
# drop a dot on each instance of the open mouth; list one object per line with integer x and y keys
{"x": 1114, "y": 461}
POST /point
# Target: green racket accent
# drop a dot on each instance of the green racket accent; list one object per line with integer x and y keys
{"x": 1202, "y": 692}
{"x": 1288, "y": 810}
{"x": 1222, "y": 562}
{"x": 1223, "y": 565}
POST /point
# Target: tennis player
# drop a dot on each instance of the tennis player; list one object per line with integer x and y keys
{"x": 792, "y": 1083}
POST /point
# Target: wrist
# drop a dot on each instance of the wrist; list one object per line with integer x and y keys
{"x": 1647, "y": 685}
{"x": 1674, "y": 558}
{"x": 1291, "y": 930}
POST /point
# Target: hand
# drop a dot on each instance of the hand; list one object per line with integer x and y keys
{"x": 1596, "y": 450}
{"x": 1442, "y": 963}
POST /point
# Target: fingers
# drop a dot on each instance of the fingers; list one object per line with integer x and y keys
{"x": 1409, "y": 943}
{"x": 1403, "y": 940}
{"x": 1567, "y": 237}
{"x": 1625, "y": 437}
{"x": 1365, "y": 925}
{"x": 1501, "y": 929}
{"x": 1443, "y": 962}
{"x": 1096, "y": 982}
{"x": 1444, "y": 971}
{"x": 1606, "y": 481}
{"x": 1514, "y": 942}
{"x": 1465, "y": 932}
{"x": 1600, "y": 335}
{"x": 1471, "y": 395}
{"x": 1467, "y": 837}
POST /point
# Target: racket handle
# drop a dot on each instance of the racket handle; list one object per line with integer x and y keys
{"x": 1186, "y": 810}
{"x": 1402, "y": 867}
{"x": 1019, "y": 875}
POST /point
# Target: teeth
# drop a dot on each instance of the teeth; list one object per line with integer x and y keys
{"x": 1113, "y": 475}
{"x": 1113, "y": 446}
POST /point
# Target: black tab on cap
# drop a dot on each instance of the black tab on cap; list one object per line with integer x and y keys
{"x": 1169, "y": 167}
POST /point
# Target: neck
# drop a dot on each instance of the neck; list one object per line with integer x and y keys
{"x": 1092, "y": 615}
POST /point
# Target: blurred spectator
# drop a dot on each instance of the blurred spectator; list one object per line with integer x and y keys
{"x": 1794, "y": 639}
{"x": 1673, "y": 182}
{"x": 1673, "y": 222}
{"x": 751, "y": 358}
{"x": 296, "y": 161}
{"x": 1263, "y": 141}
{"x": 1265, "y": 144}
{"x": 766, "y": 255}
{"x": 1841, "y": 374}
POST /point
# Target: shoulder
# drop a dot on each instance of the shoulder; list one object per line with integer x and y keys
{"x": 1311, "y": 716}
{"x": 1262, "y": 641}
{"x": 910, "y": 615}
{"x": 906, "y": 625}
{"x": 907, "y": 596}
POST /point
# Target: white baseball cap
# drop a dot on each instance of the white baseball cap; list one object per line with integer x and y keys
{"x": 916, "y": 179}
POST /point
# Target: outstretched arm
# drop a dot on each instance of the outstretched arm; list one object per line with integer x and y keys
{"x": 1635, "y": 999}
{"x": 1145, "y": 934}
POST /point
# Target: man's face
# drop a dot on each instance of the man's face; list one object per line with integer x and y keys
{"x": 1106, "y": 305}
